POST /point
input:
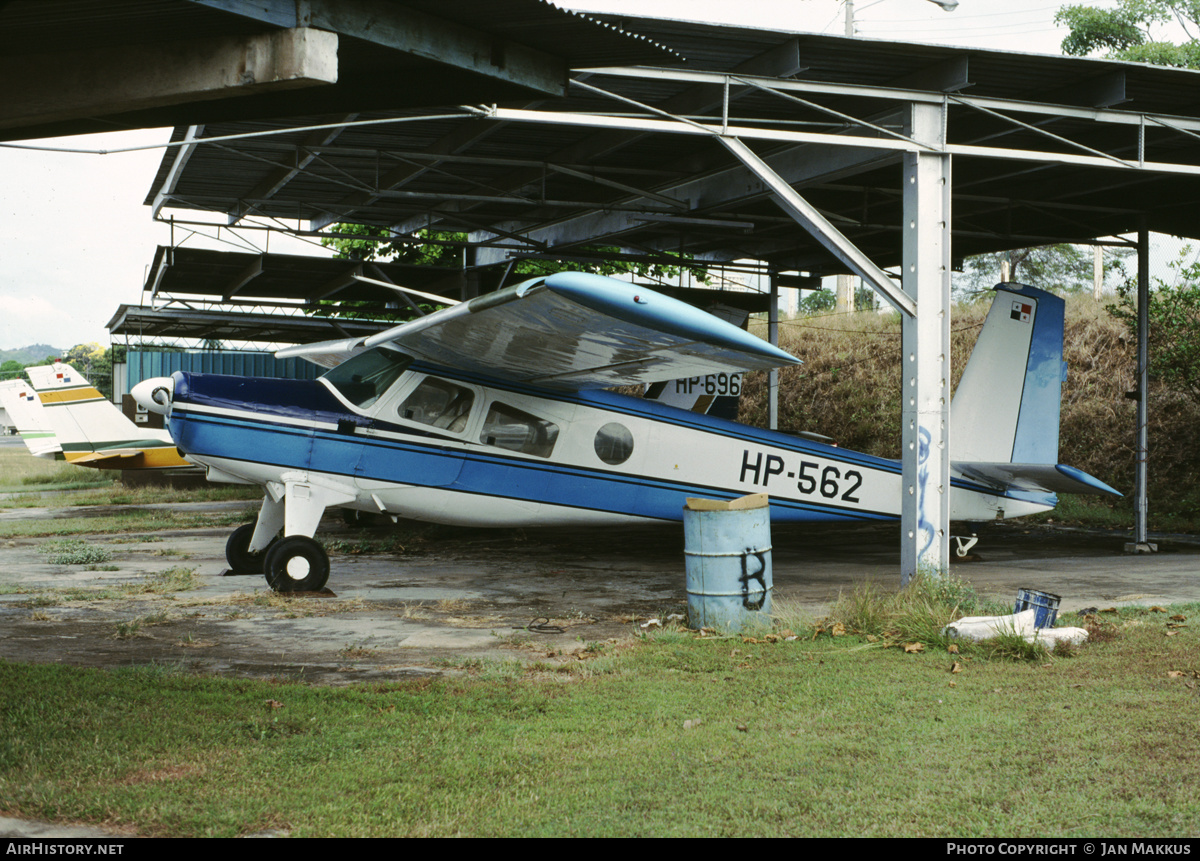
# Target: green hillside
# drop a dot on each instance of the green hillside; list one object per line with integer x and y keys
{"x": 27, "y": 355}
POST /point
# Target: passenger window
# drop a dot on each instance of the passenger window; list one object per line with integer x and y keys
{"x": 438, "y": 403}
{"x": 614, "y": 443}
{"x": 510, "y": 428}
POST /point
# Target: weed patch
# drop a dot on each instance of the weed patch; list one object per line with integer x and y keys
{"x": 74, "y": 552}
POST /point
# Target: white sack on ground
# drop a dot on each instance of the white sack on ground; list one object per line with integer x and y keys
{"x": 986, "y": 627}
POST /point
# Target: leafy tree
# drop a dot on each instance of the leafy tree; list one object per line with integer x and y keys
{"x": 817, "y": 302}
{"x": 823, "y": 301}
{"x": 1061, "y": 269}
{"x": 1174, "y": 315}
{"x": 865, "y": 299}
{"x": 1132, "y": 31}
{"x": 83, "y": 355}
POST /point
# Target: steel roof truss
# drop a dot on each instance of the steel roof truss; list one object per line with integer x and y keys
{"x": 846, "y": 117}
{"x": 252, "y": 270}
{"x": 822, "y": 229}
{"x": 305, "y": 154}
{"x": 182, "y": 155}
{"x": 1040, "y": 131}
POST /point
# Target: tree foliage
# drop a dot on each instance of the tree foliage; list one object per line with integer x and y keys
{"x": 364, "y": 242}
{"x": 441, "y": 248}
{"x": 1061, "y": 269}
{"x": 1174, "y": 316}
{"x": 1133, "y": 30}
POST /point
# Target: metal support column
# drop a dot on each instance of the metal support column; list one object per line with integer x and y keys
{"x": 773, "y": 337}
{"x": 925, "y": 411}
{"x": 1141, "y": 543}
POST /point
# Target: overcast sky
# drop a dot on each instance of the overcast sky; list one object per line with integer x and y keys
{"x": 75, "y": 239}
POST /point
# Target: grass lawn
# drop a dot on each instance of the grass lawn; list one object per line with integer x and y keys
{"x": 666, "y": 735}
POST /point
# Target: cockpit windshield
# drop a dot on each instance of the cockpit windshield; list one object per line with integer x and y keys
{"x": 363, "y": 379}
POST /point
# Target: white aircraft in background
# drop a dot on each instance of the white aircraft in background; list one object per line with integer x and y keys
{"x": 494, "y": 412}
{"x": 91, "y": 431}
{"x": 24, "y": 409}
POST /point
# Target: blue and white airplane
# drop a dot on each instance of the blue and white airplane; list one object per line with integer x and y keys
{"x": 494, "y": 412}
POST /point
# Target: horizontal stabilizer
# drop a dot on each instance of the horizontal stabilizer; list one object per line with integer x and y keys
{"x": 111, "y": 458}
{"x": 1034, "y": 477}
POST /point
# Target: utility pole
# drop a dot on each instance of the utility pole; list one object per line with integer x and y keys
{"x": 946, "y": 5}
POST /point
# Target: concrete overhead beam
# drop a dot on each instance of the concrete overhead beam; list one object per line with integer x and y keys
{"x": 49, "y": 88}
{"x": 400, "y": 28}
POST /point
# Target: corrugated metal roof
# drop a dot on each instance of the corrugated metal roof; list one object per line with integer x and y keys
{"x": 556, "y": 188}
{"x": 470, "y": 174}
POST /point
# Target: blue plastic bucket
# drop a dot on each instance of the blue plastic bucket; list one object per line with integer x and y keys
{"x": 1044, "y": 604}
{"x": 727, "y": 550}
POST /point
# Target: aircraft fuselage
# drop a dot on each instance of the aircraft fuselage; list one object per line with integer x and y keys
{"x": 447, "y": 447}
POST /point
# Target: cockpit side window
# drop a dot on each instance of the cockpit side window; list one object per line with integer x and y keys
{"x": 510, "y": 428}
{"x": 364, "y": 378}
{"x": 438, "y": 403}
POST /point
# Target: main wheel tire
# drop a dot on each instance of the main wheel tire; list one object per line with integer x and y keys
{"x": 237, "y": 551}
{"x": 296, "y": 564}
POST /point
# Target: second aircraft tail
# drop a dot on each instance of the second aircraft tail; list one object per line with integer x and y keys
{"x": 91, "y": 430}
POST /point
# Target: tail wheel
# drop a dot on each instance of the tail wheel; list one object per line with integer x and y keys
{"x": 237, "y": 551}
{"x": 296, "y": 564}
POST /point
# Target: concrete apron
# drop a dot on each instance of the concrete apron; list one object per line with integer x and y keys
{"x": 457, "y": 595}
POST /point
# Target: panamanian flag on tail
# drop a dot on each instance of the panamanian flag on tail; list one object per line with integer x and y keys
{"x": 1022, "y": 311}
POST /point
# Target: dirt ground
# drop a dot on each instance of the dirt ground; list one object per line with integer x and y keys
{"x": 456, "y": 597}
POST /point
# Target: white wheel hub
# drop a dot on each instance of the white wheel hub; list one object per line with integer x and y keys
{"x": 297, "y": 567}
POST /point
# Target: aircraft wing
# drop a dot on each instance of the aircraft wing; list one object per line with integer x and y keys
{"x": 1036, "y": 477}
{"x": 573, "y": 331}
{"x": 327, "y": 354}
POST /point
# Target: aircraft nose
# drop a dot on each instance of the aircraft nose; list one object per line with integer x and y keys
{"x": 155, "y": 394}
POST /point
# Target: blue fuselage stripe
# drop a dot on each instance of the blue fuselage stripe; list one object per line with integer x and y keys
{"x": 425, "y": 464}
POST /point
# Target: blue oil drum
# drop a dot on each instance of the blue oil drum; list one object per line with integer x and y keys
{"x": 727, "y": 550}
{"x": 1044, "y": 605}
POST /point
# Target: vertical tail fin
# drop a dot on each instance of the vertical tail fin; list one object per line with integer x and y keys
{"x": 26, "y": 413}
{"x": 1006, "y": 407}
{"x": 91, "y": 430}
{"x": 1005, "y": 414}
{"x": 80, "y": 416}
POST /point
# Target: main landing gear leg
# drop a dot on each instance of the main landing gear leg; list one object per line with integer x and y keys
{"x": 297, "y": 563}
{"x": 245, "y": 548}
